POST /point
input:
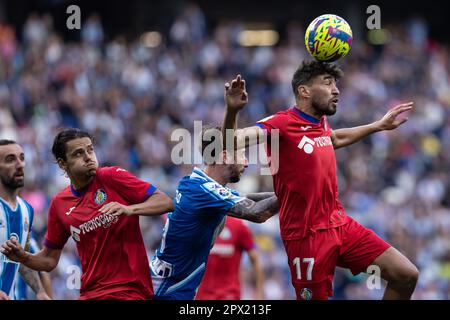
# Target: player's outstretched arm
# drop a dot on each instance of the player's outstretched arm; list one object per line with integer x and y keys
{"x": 255, "y": 211}
{"x": 236, "y": 98}
{"x": 45, "y": 260}
{"x": 158, "y": 203}
{"x": 347, "y": 136}
{"x": 259, "y": 195}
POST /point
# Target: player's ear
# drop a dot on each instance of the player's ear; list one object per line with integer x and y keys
{"x": 303, "y": 91}
{"x": 62, "y": 164}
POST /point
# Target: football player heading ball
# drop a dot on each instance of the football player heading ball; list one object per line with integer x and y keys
{"x": 317, "y": 233}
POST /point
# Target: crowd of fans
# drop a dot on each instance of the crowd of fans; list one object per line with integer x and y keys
{"x": 132, "y": 97}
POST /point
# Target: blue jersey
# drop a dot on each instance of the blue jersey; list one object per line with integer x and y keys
{"x": 13, "y": 223}
{"x": 21, "y": 285}
{"x": 200, "y": 208}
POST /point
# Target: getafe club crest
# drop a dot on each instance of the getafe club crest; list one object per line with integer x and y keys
{"x": 100, "y": 197}
{"x": 306, "y": 294}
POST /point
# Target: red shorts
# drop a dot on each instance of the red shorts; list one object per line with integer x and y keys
{"x": 122, "y": 295}
{"x": 313, "y": 260}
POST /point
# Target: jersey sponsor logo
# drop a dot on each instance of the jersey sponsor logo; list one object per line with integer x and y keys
{"x": 70, "y": 211}
{"x": 100, "y": 196}
{"x": 323, "y": 141}
{"x": 304, "y": 128}
{"x": 307, "y": 144}
{"x": 104, "y": 220}
{"x": 306, "y": 294}
{"x": 75, "y": 232}
{"x": 120, "y": 169}
{"x": 223, "y": 249}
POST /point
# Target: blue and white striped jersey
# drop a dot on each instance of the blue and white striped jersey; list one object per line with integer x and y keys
{"x": 13, "y": 223}
{"x": 199, "y": 215}
{"x": 21, "y": 286}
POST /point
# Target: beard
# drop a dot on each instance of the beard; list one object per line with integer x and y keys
{"x": 91, "y": 173}
{"x": 235, "y": 174}
{"x": 326, "y": 108}
{"x": 81, "y": 172}
{"x": 12, "y": 183}
{"x": 235, "y": 178}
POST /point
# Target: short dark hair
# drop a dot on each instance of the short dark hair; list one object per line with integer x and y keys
{"x": 5, "y": 142}
{"x": 205, "y": 141}
{"x": 61, "y": 139}
{"x": 312, "y": 68}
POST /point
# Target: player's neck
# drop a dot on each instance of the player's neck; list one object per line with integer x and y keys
{"x": 9, "y": 196}
{"x": 308, "y": 109}
{"x": 216, "y": 175}
{"x": 78, "y": 183}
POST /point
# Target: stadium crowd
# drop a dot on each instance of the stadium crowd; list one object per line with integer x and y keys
{"x": 132, "y": 97}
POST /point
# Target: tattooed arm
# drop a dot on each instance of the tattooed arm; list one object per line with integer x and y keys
{"x": 255, "y": 211}
{"x": 32, "y": 278}
{"x": 259, "y": 196}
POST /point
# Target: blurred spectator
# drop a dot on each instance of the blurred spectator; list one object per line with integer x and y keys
{"x": 92, "y": 30}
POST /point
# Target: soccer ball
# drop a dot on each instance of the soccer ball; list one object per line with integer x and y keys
{"x": 328, "y": 38}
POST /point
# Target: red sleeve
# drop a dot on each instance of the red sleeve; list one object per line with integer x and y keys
{"x": 56, "y": 236}
{"x": 272, "y": 122}
{"x": 246, "y": 241}
{"x": 129, "y": 186}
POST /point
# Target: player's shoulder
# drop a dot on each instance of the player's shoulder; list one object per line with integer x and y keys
{"x": 192, "y": 182}
{"x": 201, "y": 184}
{"x": 112, "y": 175}
{"x": 109, "y": 171}
{"x": 25, "y": 206}
{"x": 61, "y": 198}
{"x": 279, "y": 116}
{"x": 62, "y": 193}
{"x": 197, "y": 176}
{"x": 24, "y": 202}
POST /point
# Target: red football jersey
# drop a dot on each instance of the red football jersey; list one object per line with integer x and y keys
{"x": 221, "y": 279}
{"x": 111, "y": 249}
{"x": 305, "y": 179}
